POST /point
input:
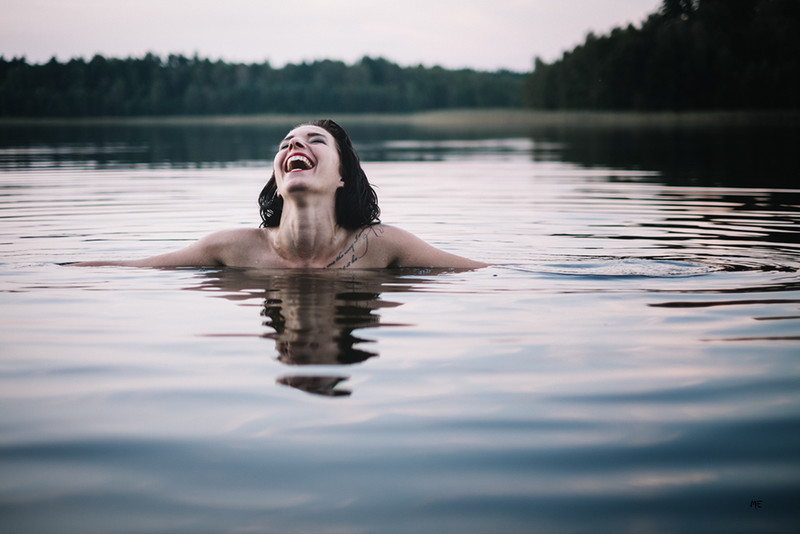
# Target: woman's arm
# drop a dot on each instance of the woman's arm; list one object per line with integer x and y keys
{"x": 206, "y": 252}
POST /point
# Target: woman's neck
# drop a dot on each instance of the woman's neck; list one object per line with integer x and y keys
{"x": 308, "y": 233}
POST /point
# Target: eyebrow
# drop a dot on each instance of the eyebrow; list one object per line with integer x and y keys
{"x": 311, "y": 134}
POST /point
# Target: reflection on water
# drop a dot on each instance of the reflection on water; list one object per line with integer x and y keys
{"x": 734, "y": 155}
{"x": 628, "y": 365}
{"x": 722, "y": 156}
{"x": 313, "y": 316}
{"x": 120, "y": 146}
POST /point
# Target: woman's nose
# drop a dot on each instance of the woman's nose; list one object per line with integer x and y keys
{"x": 296, "y": 143}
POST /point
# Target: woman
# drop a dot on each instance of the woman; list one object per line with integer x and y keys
{"x": 318, "y": 211}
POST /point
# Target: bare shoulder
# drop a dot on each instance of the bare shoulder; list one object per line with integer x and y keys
{"x": 234, "y": 247}
{"x": 233, "y": 237}
{"x": 405, "y": 249}
{"x": 389, "y": 232}
{"x": 238, "y": 247}
{"x": 393, "y": 235}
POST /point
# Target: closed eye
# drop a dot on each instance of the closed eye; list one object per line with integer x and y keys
{"x": 312, "y": 138}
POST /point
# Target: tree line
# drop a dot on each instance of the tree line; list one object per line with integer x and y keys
{"x": 179, "y": 85}
{"x": 689, "y": 55}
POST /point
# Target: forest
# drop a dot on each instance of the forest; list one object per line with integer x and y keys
{"x": 179, "y": 85}
{"x": 690, "y": 55}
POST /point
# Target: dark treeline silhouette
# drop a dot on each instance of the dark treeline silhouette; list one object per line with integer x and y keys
{"x": 690, "y": 55}
{"x": 179, "y": 85}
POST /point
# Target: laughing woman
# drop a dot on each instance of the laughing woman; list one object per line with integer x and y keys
{"x": 318, "y": 211}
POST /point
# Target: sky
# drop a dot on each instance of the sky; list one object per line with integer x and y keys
{"x": 477, "y": 34}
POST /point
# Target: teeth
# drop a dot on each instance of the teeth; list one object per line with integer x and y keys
{"x": 298, "y": 162}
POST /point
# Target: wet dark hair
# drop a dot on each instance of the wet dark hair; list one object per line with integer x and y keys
{"x": 356, "y": 202}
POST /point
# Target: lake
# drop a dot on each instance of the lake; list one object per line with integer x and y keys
{"x": 629, "y": 363}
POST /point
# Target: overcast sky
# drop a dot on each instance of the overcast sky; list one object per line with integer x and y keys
{"x": 478, "y": 34}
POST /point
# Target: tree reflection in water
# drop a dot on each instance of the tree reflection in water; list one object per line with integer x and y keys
{"x": 312, "y": 315}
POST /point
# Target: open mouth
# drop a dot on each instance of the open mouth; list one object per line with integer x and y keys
{"x": 298, "y": 162}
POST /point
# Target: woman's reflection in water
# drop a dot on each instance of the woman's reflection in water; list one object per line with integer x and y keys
{"x": 313, "y": 320}
{"x": 313, "y": 316}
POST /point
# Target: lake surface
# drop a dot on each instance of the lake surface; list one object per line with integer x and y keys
{"x": 630, "y": 363}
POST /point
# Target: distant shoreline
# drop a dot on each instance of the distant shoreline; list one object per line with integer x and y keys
{"x": 446, "y": 119}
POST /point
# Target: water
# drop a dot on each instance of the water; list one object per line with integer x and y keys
{"x": 629, "y": 364}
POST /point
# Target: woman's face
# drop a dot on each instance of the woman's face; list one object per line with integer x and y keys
{"x": 307, "y": 160}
